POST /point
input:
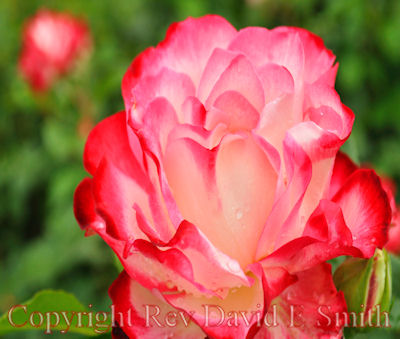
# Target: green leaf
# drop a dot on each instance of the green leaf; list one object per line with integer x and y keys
{"x": 117, "y": 263}
{"x": 48, "y": 310}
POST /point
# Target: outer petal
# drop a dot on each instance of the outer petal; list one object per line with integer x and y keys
{"x": 167, "y": 84}
{"x": 342, "y": 169}
{"x": 195, "y": 258}
{"x": 300, "y": 51}
{"x": 326, "y": 236}
{"x": 109, "y": 139}
{"x": 307, "y": 308}
{"x": 186, "y": 49}
{"x": 366, "y": 210}
{"x": 143, "y": 314}
{"x": 120, "y": 180}
{"x": 261, "y": 45}
{"x": 84, "y": 206}
{"x": 329, "y": 126}
{"x": 318, "y": 60}
{"x": 114, "y": 192}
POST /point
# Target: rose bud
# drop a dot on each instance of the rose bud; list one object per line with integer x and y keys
{"x": 367, "y": 286}
{"x": 52, "y": 43}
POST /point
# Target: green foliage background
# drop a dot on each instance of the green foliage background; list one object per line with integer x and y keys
{"x": 41, "y": 246}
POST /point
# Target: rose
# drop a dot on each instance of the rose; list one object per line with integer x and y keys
{"x": 52, "y": 42}
{"x": 222, "y": 184}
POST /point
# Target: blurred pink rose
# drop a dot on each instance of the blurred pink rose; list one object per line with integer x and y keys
{"x": 52, "y": 41}
{"x": 222, "y": 184}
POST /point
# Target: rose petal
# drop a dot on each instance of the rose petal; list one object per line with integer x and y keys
{"x": 246, "y": 183}
{"x": 304, "y": 312}
{"x": 239, "y": 76}
{"x": 84, "y": 205}
{"x": 172, "y": 86}
{"x": 326, "y": 236}
{"x": 276, "y": 80}
{"x": 292, "y": 184}
{"x": 342, "y": 169}
{"x": 318, "y": 60}
{"x": 143, "y": 314}
{"x": 234, "y": 110}
{"x": 186, "y": 43}
{"x": 248, "y": 300}
{"x": 109, "y": 139}
{"x": 218, "y": 62}
{"x": 366, "y": 210}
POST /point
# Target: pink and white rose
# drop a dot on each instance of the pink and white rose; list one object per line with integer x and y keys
{"x": 221, "y": 183}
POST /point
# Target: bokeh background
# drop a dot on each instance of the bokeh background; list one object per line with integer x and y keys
{"x": 42, "y": 136}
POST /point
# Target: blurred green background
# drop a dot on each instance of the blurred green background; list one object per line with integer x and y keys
{"x": 42, "y": 137}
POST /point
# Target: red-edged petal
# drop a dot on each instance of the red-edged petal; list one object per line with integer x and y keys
{"x": 277, "y": 280}
{"x": 114, "y": 193}
{"x": 158, "y": 121}
{"x": 276, "y": 46}
{"x": 307, "y": 308}
{"x": 142, "y": 314}
{"x": 323, "y": 106}
{"x": 167, "y": 84}
{"x": 366, "y": 210}
{"x": 196, "y": 260}
{"x": 186, "y": 49}
{"x": 321, "y": 147}
{"x": 342, "y": 169}
{"x": 318, "y": 60}
{"x": 110, "y": 139}
{"x": 292, "y": 184}
{"x": 325, "y": 236}
{"x": 84, "y": 206}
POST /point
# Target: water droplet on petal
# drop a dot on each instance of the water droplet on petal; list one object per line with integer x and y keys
{"x": 239, "y": 214}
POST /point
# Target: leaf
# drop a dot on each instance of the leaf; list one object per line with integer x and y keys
{"x": 48, "y": 310}
{"x": 117, "y": 263}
